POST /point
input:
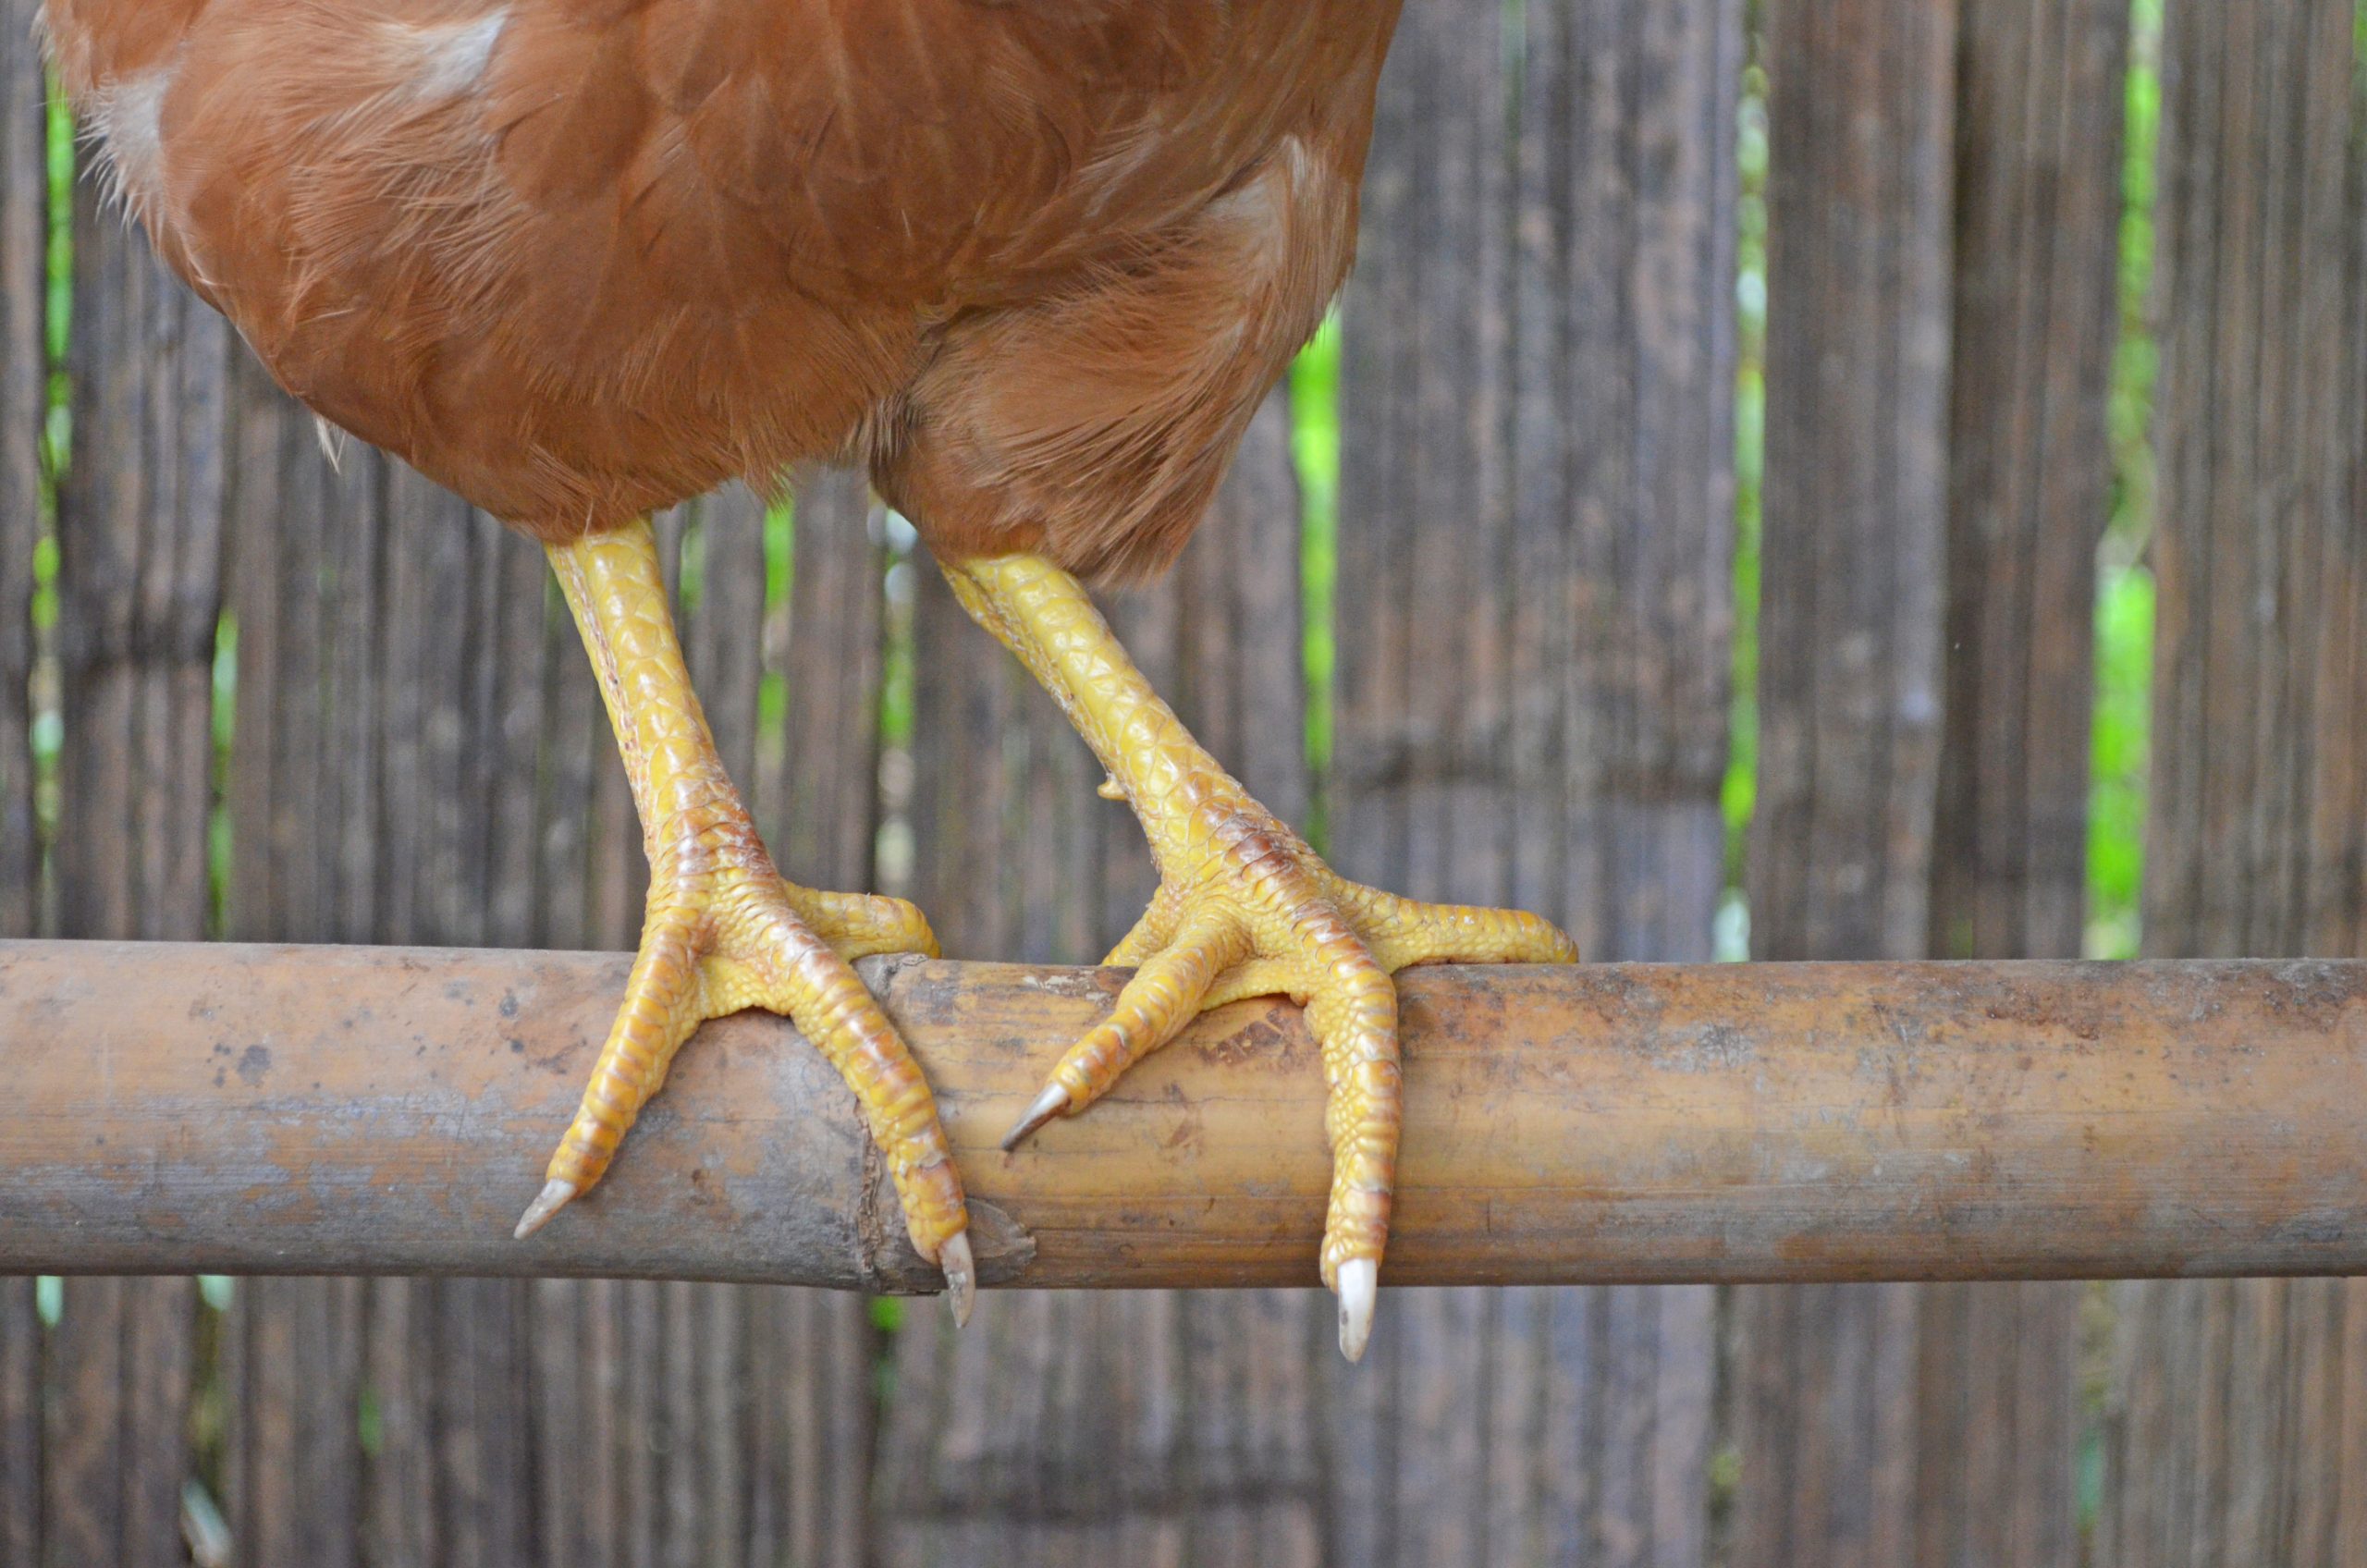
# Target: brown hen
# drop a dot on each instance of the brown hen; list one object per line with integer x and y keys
{"x": 1033, "y": 262}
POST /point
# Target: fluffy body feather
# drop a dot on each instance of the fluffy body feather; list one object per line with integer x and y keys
{"x": 1033, "y": 260}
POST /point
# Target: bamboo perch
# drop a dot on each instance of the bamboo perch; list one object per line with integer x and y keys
{"x": 249, "y": 1109}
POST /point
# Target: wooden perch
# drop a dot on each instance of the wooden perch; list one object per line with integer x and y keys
{"x": 249, "y": 1109}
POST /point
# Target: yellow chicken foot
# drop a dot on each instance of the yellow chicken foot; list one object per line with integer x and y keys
{"x": 723, "y": 931}
{"x": 1244, "y": 908}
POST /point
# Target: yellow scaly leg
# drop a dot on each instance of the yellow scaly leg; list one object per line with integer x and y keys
{"x": 723, "y": 931}
{"x": 1244, "y": 908}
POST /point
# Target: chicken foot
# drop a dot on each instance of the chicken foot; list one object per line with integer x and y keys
{"x": 1244, "y": 908}
{"x": 723, "y": 931}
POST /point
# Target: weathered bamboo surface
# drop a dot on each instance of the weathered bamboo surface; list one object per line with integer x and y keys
{"x": 273, "y": 1110}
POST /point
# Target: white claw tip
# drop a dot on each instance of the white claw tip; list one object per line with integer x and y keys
{"x": 1359, "y": 1280}
{"x": 1052, "y": 1102}
{"x": 954, "y": 1258}
{"x": 554, "y": 1197}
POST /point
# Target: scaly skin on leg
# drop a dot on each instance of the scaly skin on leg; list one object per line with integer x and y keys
{"x": 723, "y": 931}
{"x": 1244, "y": 908}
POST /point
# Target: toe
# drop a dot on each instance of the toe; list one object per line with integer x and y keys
{"x": 1403, "y": 932}
{"x": 1164, "y": 995}
{"x": 859, "y": 926}
{"x": 1353, "y": 1015}
{"x": 1257, "y": 977}
{"x": 1154, "y": 931}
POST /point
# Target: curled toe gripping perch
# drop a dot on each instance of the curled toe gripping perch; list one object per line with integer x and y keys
{"x": 1244, "y": 908}
{"x": 723, "y": 931}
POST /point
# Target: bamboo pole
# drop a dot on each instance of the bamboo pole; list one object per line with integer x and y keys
{"x": 260, "y": 1110}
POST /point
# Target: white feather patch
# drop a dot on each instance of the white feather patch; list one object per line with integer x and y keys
{"x": 127, "y": 122}
{"x": 446, "y": 59}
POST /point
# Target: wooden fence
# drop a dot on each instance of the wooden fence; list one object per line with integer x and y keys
{"x": 371, "y": 694}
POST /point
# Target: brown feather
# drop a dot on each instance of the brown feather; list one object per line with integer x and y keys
{"x": 1034, "y": 260}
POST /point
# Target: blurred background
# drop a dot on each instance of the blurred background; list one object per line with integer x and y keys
{"x": 1805, "y": 478}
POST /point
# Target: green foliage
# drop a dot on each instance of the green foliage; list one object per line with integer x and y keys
{"x": 2125, "y": 583}
{"x": 2116, "y": 795}
{"x": 780, "y": 568}
{"x": 1315, "y": 451}
{"x": 1739, "y": 796}
{"x": 226, "y": 726}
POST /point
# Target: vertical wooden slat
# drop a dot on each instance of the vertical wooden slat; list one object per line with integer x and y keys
{"x": 140, "y": 528}
{"x": 139, "y": 531}
{"x": 1220, "y": 1379}
{"x": 2036, "y": 309}
{"x": 483, "y": 1496}
{"x": 1856, "y": 491}
{"x": 83, "y": 1444}
{"x": 816, "y": 788}
{"x": 397, "y": 1514}
{"x": 381, "y": 743}
{"x": 1670, "y": 570}
{"x": 475, "y": 1361}
{"x": 483, "y": 1361}
{"x": 2038, "y": 203}
{"x": 300, "y": 1347}
{"x": 20, "y": 1423}
{"x": 2348, "y": 1451}
{"x": 2235, "y": 1429}
{"x": 803, "y": 1359}
{"x": 1860, "y": 202}
{"x": 24, "y": 390}
{"x": 760, "y": 1359}
{"x": 24, "y": 398}
{"x": 298, "y": 1438}
{"x": 1059, "y": 1428}
{"x": 158, "y": 1365}
{"x": 1534, "y": 640}
{"x": 1384, "y": 408}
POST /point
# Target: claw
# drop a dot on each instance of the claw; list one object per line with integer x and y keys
{"x": 554, "y": 1197}
{"x": 1052, "y": 1102}
{"x": 1360, "y": 1283}
{"x": 954, "y": 1258}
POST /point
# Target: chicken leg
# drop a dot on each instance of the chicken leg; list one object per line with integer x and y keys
{"x": 723, "y": 930}
{"x": 1244, "y": 908}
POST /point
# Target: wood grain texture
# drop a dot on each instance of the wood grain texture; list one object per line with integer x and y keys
{"x": 1534, "y": 625}
{"x": 140, "y": 531}
{"x": 767, "y": 1402}
{"x": 1859, "y": 202}
{"x": 20, "y": 1421}
{"x": 1157, "y": 1427}
{"x": 24, "y": 390}
{"x": 1622, "y": 1122}
{"x": 2040, "y": 101}
{"x": 347, "y": 805}
{"x": 2038, "y": 210}
{"x": 421, "y": 755}
{"x": 2236, "y": 1422}
{"x": 24, "y": 401}
{"x": 307, "y": 838}
{"x": 1860, "y": 198}
{"x": 140, "y": 535}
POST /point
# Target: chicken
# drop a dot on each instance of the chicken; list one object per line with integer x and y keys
{"x": 1033, "y": 263}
